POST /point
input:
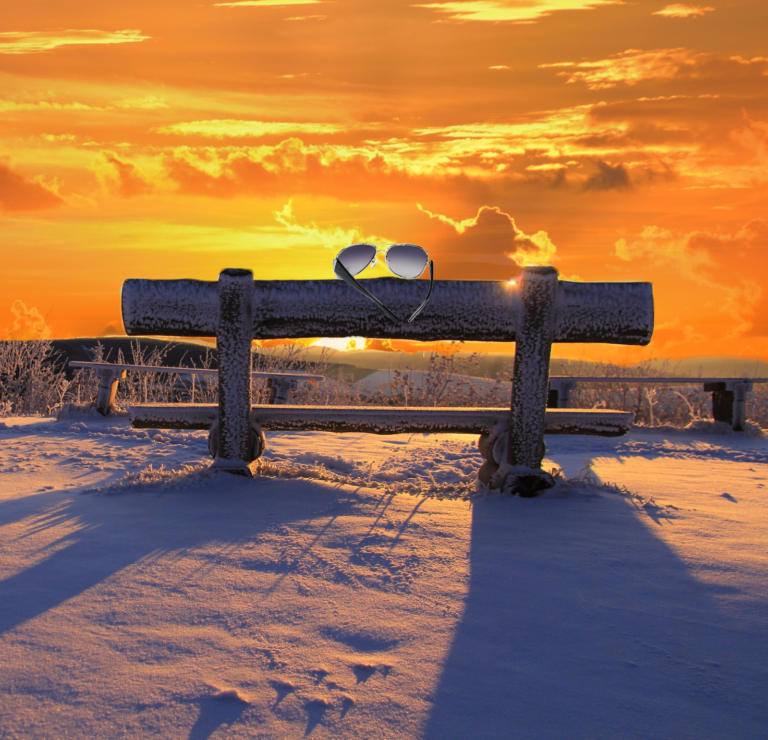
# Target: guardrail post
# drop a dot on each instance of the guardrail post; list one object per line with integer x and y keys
{"x": 729, "y": 400}
{"x": 722, "y": 402}
{"x": 525, "y": 451}
{"x": 109, "y": 379}
{"x": 233, "y": 340}
{"x": 559, "y": 396}
{"x": 280, "y": 388}
{"x": 740, "y": 390}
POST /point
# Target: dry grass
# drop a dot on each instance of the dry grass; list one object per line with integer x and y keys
{"x": 30, "y": 384}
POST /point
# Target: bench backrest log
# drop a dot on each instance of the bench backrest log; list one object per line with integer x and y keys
{"x": 534, "y": 313}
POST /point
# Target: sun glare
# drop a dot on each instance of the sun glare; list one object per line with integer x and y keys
{"x": 343, "y": 344}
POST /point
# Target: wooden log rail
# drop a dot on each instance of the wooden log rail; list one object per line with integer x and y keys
{"x": 729, "y": 395}
{"x": 537, "y": 311}
{"x": 110, "y": 374}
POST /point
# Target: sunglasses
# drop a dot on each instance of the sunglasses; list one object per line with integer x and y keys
{"x": 404, "y": 260}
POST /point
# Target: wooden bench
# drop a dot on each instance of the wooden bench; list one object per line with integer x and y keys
{"x": 729, "y": 395}
{"x": 110, "y": 374}
{"x": 536, "y": 312}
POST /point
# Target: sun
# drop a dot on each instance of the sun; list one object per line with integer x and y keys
{"x": 344, "y": 344}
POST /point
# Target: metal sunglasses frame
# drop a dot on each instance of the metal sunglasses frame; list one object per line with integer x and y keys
{"x": 343, "y": 273}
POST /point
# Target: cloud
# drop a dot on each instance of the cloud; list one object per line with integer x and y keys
{"x": 682, "y": 11}
{"x": 20, "y": 194}
{"x": 292, "y": 167}
{"x": 36, "y": 42}
{"x": 334, "y": 238}
{"x": 148, "y": 102}
{"x": 512, "y": 11}
{"x": 629, "y": 67}
{"x": 572, "y": 137}
{"x": 265, "y": 3}
{"x": 608, "y": 177}
{"x": 459, "y": 226}
{"x": 28, "y": 323}
{"x": 668, "y": 334}
{"x": 753, "y": 138}
{"x": 547, "y": 167}
{"x": 716, "y": 261}
{"x": 45, "y": 105}
{"x": 125, "y": 178}
{"x": 494, "y": 232}
{"x": 221, "y": 129}
{"x": 636, "y": 65}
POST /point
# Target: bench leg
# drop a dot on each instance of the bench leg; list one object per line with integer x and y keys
{"x": 108, "y": 382}
{"x": 233, "y": 340}
{"x": 525, "y": 450}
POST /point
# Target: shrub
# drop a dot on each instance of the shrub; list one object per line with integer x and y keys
{"x": 30, "y": 382}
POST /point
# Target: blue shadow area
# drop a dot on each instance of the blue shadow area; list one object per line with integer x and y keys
{"x": 580, "y": 624}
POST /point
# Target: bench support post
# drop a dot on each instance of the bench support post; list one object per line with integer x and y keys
{"x": 108, "y": 382}
{"x": 233, "y": 340}
{"x": 530, "y": 385}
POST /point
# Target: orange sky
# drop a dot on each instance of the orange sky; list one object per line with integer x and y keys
{"x": 614, "y": 140}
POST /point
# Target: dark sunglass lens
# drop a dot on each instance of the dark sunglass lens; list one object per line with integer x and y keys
{"x": 357, "y": 257}
{"x": 407, "y": 260}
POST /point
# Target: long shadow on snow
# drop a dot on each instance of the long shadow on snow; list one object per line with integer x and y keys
{"x": 580, "y": 624}
{"x": 124, "y": 527}
{"x": 116, "y": 531}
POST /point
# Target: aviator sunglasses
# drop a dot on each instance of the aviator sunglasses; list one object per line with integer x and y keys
{"x": 404, "y": 260}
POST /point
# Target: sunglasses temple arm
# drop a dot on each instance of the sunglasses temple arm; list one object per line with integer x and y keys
{"x": 426, "y": 300}
{"x": 346, "y": 276}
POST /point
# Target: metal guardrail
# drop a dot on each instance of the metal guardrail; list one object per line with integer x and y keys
{"x": 110, "y": 375}
{"x": 729, "y": 395}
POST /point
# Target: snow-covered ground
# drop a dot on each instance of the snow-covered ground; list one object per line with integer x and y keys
{"x": 141, "y": 597}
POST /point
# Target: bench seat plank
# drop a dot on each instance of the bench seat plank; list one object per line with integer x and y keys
{"x": 380, "y": 419}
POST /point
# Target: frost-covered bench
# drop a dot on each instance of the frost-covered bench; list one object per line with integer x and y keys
{"x": 110, "y": 374}
{"x": 729, "y": 395}
{"x": 536, "y": 312}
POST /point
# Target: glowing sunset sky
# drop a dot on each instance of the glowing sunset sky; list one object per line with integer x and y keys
{"x": 614, "y": 140}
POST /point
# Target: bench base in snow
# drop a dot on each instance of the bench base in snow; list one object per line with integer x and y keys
{"x": 379, "y": 419}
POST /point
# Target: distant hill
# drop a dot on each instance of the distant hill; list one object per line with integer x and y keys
{"x": 492, "y": 364}
{"x": 177, "y": 353}
{"x": 734, "y": 367}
